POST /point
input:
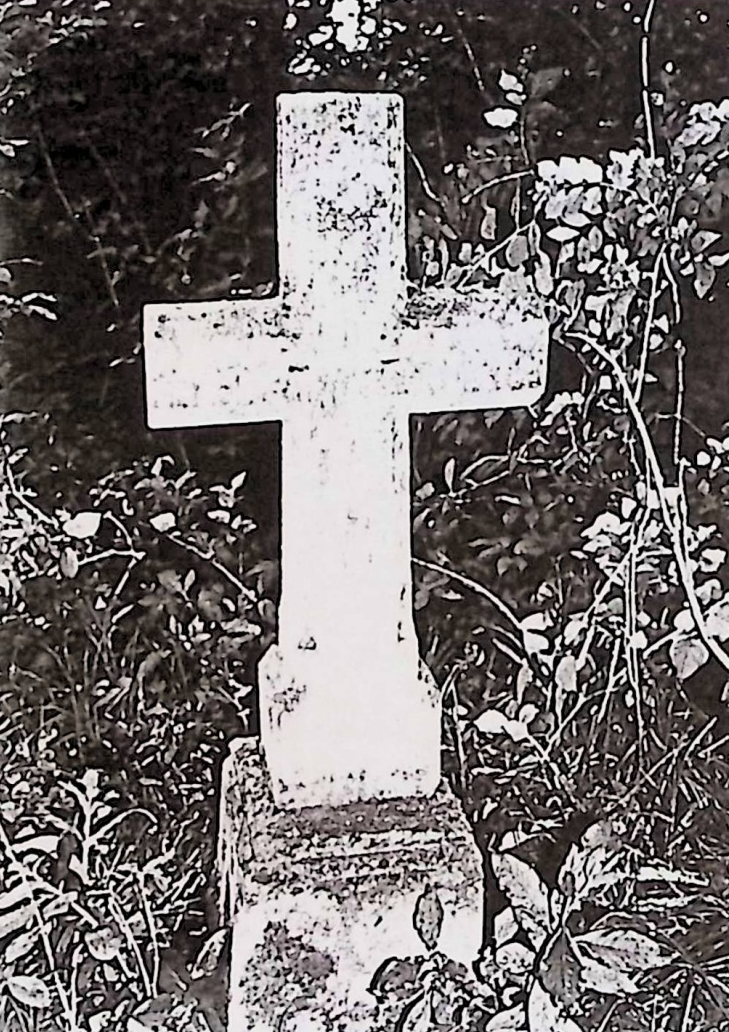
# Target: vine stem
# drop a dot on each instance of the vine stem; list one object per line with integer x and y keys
{"x": 422, "y": 176}
{"x": 506, "y": 178}
{"x": 645, "y": 77}
{"x": 680, "y": 394}
{"x": 208, "y": 558}
{"x": 656, "y": 290}
{"x": 671, "y": 520}
{"x": 477, "y": 588}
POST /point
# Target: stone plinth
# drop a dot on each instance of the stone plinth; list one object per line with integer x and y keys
{"x": 320, "y": 897}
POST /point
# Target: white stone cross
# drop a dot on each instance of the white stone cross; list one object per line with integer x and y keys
{"x": 342, "y": 358}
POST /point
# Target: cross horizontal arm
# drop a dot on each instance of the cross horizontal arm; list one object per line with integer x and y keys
{"x": 218, "y": 362}
{"x": 459, "y": 352}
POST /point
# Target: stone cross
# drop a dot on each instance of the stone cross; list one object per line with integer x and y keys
{"x": 342, "y": 358}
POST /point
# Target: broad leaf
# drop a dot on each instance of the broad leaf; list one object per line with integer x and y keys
{"x": 14, "y": 920}
{"x": 428, "y": 917}
{"x": 623, "y": 949}
{"x": 417, "y": 1017}
{"x": 597, "y": 861}
{"x": 511, "y": 1020}
{"x": 209, "y": 954}
{"x": 688, "y": 655}
{"x": 82, "y": 525}
{"x": 29, "y": 990}
{"x": 544, "y": 1014}
{"x": 527, "y": 894}
{"x": 21, "y": 946}
{"x": 505, "y": 927}
{"x": 516, "y": 958}
{"x": 493, "y": 722}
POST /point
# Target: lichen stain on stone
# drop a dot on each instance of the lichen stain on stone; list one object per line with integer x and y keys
{"x": 296, "y": 974}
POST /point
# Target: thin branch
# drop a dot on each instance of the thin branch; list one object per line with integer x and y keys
{"x": 506, "y": 178}
{"x": 645, "y": 77}
{"x": 656, "y": 289}
{"x": 121, "y": 196}
{"x": 208, "y": 558}
{"x": 427, "y": 188}
{"x": 670, "y": 520}
{"x": 101, "y": 254}
{"x": 680, "y": 394}
{"x": 478, "y": 589}
{"x": 465, "y": 43}
{"x": 73, "y": 216}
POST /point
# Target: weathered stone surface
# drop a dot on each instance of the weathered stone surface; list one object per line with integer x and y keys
{"x": 343, "y": 358}
{"x": 321, "y": 897}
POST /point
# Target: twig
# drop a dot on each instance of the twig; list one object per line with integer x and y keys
{"x": 506, "y": 178}
{"x": 655, "y": 292}
{"x": 680, "y": 394}
{"x": 468, "y": 49}
{"x": 114, "y": 184}
{"x": 73, "y": 216}
{"x": 208, "y": 558}
{"x": 419, "y": 168}
{"x": 645, "y": 77}
{"x": 101, "y": 254}
{"x": 153, "y": 935}
{"x": 478, "y": 589}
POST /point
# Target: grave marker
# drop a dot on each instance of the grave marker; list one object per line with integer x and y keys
{"x": 325, "y": 847}
{"x": 343, "y": 360}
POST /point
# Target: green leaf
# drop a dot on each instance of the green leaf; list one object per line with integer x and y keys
{"x": 428, "y": 917}
{"x": 69, "y": 563}
{"x": 562, "y": 233}
{"x": 209, "y": 954}
{"x": 417, "y": 1016}
{"x": 14, "y": 920}
{"x": 544, "y": 1014}
{"x": 511, "y": 1020}
{"x": 29, "y": 990}
{"x": 516, "y": 959}
{"x": 704, "y": 278}
{"x": 82, "y": 525}
{"x": 612, "y": 958}
{"x": 594, "y": 863}
{"x": 687, "y": 655}
{"x": 21, "y": 946}
{"x": 527, "y": 894}
{"x": 517, "y": 251}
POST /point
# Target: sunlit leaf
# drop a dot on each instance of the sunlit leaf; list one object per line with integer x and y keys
{"x": 163, "y": 522}
{"x": 28, "y": 990}
{"x": 428, "y": 917}
{"x": 511, "y": 1020}
{"x": 547, "y": 1015}
{"x": 21, "y": 946}
{"x": 209, "y": 954}
{"x": 515, "y": 958}
{"x": 82, "y": 525}
{"x": 68, "y": 564}
{"x": 527, "y": 894}
{"x": 624, "y": 949}
{"x": 593, "y": 864}
{"x": 687, "y": 655}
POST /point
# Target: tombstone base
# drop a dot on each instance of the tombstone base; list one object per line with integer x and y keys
{"x": 319, "y": 898}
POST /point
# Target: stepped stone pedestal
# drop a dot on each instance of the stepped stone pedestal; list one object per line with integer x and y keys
{"x": 320, "y": 897}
